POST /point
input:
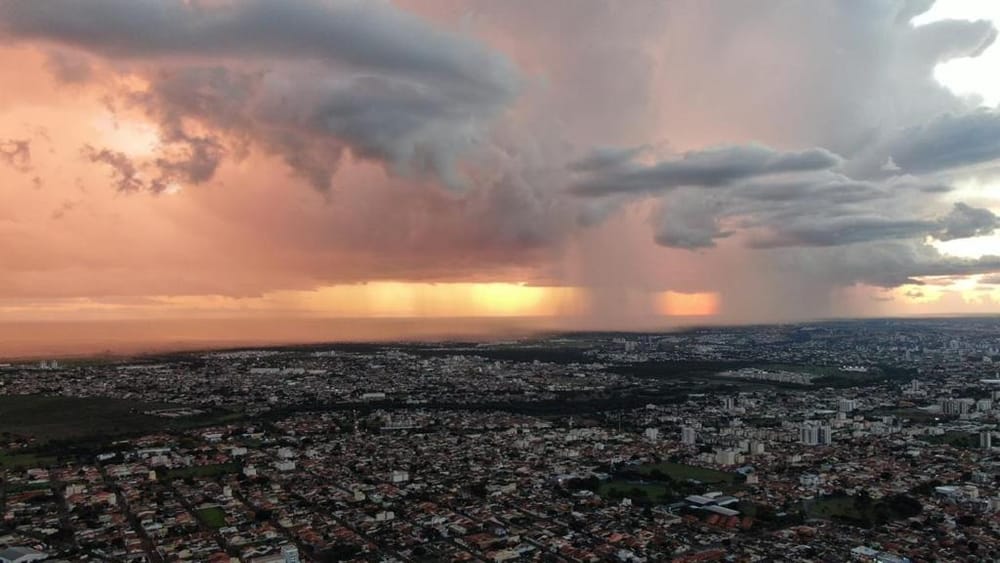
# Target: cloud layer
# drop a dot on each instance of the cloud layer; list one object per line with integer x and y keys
{"x": 773, "y": 153}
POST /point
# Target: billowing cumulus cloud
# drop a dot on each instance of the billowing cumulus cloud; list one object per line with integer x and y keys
{"x": 303, "y": 79}
{"x": 772, "y": 153}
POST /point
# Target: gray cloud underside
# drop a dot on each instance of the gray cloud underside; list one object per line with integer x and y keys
{"x": 708, "y": 168}
{"x": 889, "y": 264}
{"x": 305, "y": 80}
{"x": 949, "y": 141}
{"x": 369, "y": 36}
{"x": 811, "y": 215}
{"x": 802, "y": 202}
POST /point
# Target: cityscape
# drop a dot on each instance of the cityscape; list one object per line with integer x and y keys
{"x": 873, "y": 440}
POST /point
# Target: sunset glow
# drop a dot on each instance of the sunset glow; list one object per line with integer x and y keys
{"x": 492, "y": 167}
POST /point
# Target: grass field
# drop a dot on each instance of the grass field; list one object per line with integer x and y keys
{"x": 61, "y": 418}
{"x": 681, "y": 472}
{"x": 834, "y": 507}
{"x": 25, "y": 461}
{"x": 655, "y": 492}
{"x": 49, "y": 418}
{"x": 206, "y": 471}
{"x": 213, "y": 517}
{"x": 955, "y": 439}
{"x": 857, "y": 511}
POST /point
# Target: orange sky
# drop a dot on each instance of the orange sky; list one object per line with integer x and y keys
{"x": 389, "y": 239}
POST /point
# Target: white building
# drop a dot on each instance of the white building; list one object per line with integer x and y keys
{"x": 847, "y": 405}
{"x": 688, "y": 435}
{"x": 825, "y": 435}
{"x": 809, "y": 435}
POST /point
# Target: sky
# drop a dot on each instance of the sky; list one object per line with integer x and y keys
{"x": 593, "y": 163}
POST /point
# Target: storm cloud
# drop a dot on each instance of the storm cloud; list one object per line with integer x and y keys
{"x": 329, "y": 76}
{"x": 949, "y": 141}
{"x": 713, "y": 167}
{"x": 773, "y": 153}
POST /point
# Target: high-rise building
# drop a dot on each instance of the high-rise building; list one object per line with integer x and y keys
{"x": 815, "y": 434}
{"x": 688, "y": 435}
{"x": 291, "y": 553}
{"x": 809, "y": 434}
{"x": 847, "y": 405}
{"x": 825, "y": 435}
{"x": 986, "y": 439}
{"x": 956, "y": 406}
{"x": 651, "y": 434}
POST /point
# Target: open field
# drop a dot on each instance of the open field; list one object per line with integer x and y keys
{"x": 955, "y": 439}
{"x": 620, "y": 488}
{"x": 53, "y": 418}
{"x": 860, "y": 511}
{"x": 213, "y": 517}
{"x": 681, "y": 472}
{"x": 25, "y": 461}
{"x": 202, "y": 471}
{"x": 59, "y": 418}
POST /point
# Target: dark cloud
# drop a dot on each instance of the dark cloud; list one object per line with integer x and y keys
{"x": 124, "y": 172}
{"x": 814, "y": 210}
{"x": 16, "y": 153}
{"x": 294, "y": 77}
{"x": 708, "y": 168}
{"x": 847, "y": 225}
{"x": 190, "y": 159}
{"x": 949, "y": 141}
{"x": 838, "y": 231}
{"x": 606, "y": 158}
{"x": 966, "y": 221}
{"x": 372, "y": 36}
{"x": 884, "y": 263}
{"x": 68, "y": 66}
